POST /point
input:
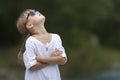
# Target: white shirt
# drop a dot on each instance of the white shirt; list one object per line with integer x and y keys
{"x": 33, "y": 47}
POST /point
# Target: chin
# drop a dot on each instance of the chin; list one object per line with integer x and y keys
{"x": 43, "y": 19}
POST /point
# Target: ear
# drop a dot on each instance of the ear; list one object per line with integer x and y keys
{"x": 29, "y": 25}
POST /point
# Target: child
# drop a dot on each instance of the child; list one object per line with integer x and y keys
{"x": 43, "y": 51}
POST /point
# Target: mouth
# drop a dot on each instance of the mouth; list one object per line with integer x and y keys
{"x": 38, "y": 13}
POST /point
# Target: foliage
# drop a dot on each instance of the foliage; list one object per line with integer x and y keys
{"x": 86, "y": 27}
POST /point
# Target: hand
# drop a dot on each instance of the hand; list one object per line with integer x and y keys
{"x": 56, "y": 53}
{"x": 39, "y": 57}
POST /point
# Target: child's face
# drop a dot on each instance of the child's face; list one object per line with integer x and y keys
{"x": 35, "y": 17}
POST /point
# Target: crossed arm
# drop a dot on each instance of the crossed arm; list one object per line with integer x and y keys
{"x": 43, "y": 61}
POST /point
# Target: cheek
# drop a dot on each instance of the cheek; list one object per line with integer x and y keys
{"x": 33, "y": 19}
{"x": 37, "y": 19}
{"x": 41, "y": 19}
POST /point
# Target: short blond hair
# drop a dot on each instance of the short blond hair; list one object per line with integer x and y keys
{"x": 21, "y": 22}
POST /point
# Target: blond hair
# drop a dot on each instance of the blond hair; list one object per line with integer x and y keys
{"x": 21, "y": 26}
{"x": 21, "y": 22}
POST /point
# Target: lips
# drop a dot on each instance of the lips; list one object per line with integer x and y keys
{"x": 38, "y": 13}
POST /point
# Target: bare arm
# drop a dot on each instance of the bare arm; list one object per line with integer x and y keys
{"x": 44, "y": 61}
{"x": 55, "y": 58}
{"x": 38, "y": 66}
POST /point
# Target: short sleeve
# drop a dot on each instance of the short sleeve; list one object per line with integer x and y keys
{"x": 29, "y": 54}
{"x": 60, "y": 47}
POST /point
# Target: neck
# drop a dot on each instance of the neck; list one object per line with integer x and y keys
{"x": 40, "y": 30}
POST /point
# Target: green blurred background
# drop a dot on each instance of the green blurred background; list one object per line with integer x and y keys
{"x": 90, "y": 31}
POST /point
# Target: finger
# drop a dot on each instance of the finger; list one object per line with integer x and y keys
{"x": 60, "y": 52}
{"x": 56, "y": 49}
{"x": 37, "y": 54}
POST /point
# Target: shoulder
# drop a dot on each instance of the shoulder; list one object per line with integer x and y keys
{"x": 55, "y": 35}
{"x": 30, "y": 39}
